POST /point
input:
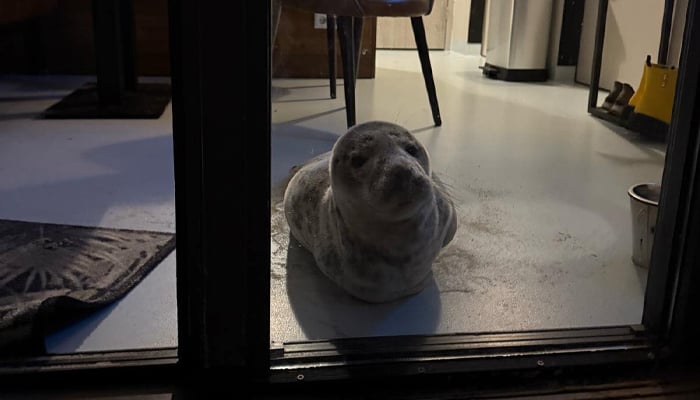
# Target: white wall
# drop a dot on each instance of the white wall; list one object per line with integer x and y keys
{"x": 677, "y": 28}
{"x": 632, "y": 31}
{"x": 458, "y": 22}
{"x": 458, "y": 26}
{"x": 585, "y": 51}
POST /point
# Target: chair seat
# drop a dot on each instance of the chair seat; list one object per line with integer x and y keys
{"x": 365, "y": 8}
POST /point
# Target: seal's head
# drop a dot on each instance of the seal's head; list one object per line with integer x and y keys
{"x": 380, "y": 168}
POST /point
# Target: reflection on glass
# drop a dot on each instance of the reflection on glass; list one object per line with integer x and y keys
{"x": 545, "y": 227}
{"x": 87, "y": 216}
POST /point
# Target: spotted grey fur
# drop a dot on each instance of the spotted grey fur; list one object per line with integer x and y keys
{"x": 371, "y": 212}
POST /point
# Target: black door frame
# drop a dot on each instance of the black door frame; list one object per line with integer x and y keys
{"x": 221, "y": 106}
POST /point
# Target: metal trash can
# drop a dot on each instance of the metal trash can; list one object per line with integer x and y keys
{"x": 516, "y": 39}
{"x": 644, "y": 204}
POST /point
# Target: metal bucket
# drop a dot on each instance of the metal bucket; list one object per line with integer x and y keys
{"x": 644, "y": 204}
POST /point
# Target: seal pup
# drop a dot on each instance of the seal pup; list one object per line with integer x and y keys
{"x": 371, "y": 212}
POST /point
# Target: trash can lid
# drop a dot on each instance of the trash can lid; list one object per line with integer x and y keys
{"x": 648, "y": 193}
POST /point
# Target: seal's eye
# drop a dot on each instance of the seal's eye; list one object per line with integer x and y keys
{"x": 412, "y": 150}
{"x": 358, "y": 161}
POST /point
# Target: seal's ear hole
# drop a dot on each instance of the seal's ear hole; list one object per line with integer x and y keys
{"x": 412, "y": 150}
{"x": 358, "y": 161}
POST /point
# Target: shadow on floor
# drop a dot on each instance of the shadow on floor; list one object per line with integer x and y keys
{"x": 324, "y": 311}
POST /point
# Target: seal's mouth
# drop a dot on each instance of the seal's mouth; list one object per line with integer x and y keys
{"x": 403, "y": 210}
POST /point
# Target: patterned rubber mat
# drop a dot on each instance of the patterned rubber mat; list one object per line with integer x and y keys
{"x": 51, "y": 274}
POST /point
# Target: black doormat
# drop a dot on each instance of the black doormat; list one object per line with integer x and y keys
{"x": 148, "y": 101}
{"x": 51, "y": 275}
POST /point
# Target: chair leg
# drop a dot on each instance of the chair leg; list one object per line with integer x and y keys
{"x": 347, "y": 49}
{"x": 422, "y": 45}
{"x": 330, "y": 35}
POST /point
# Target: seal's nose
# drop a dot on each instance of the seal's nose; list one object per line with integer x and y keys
{"x": 401, "y": 174}
{"x": 403, "y": 179}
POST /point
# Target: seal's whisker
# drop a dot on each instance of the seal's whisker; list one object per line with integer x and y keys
{"x": 445, "y": 188}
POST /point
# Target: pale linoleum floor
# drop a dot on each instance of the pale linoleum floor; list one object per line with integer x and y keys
{"x": 544, "y": 235}
{"x": 544, "y": 239}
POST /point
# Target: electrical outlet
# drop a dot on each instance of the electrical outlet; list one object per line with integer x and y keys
{"x": 319, "y": 21}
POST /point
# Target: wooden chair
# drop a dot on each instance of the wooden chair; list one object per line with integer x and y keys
{"x": 349, "y": 16}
